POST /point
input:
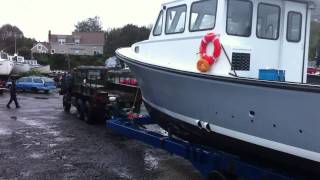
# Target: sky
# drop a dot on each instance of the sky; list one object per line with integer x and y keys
{"x": 36, "y": 17}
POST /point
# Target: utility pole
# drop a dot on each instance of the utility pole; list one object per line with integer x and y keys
{"x": 15, "y": 43}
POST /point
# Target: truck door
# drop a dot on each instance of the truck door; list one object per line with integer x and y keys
{"x": 294, "y": 41}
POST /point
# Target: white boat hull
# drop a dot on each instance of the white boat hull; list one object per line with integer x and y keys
{"x": 42, "y": 69}
{"x": 6, "y": 67}
{"x": 21, "y": 68}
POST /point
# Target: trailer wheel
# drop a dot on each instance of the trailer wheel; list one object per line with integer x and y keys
{"x": 80, "y": 109}
{"x": 216, "y": 175}
{"x": 88, "y": 113}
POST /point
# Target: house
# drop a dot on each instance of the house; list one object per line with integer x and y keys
{"x": 41, "y": 47}
{"x": 79, "y": 43}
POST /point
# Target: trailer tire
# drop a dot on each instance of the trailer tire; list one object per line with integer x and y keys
{"x": 88, "y": 114}
{"x": 80, "y": 109}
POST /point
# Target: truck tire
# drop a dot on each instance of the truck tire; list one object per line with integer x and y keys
{"x": 66, "y": 104}
{"x": 80, "y": 109}
{"x": 88, "y": 116}
{"x": 34, "y": 90}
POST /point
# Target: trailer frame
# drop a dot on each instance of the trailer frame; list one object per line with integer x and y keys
{"x": 208, "y": 161}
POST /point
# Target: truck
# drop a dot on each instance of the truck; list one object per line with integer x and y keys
{"x": 96, "y": 90}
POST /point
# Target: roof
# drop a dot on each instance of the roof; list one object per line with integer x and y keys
{"x": 92, "y": 38}
{"x": 45, "y": 44}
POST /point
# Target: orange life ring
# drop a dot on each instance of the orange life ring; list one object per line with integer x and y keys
{"x": 206, "y": 61}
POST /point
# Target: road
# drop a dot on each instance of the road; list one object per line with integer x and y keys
{"x": 40, "y": 141}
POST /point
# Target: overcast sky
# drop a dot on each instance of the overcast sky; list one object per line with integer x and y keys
{"x": 36, "y": 17}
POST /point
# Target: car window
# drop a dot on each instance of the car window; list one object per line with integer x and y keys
{"x": 21, "y": 80}
{"x": 28, "y": 80}
{"x": 37, "y": 80}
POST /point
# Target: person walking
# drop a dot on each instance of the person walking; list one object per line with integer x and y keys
{"x": 13, "y": 95}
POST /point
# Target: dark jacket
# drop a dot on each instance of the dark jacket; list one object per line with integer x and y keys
{"x": 13, "y": 91}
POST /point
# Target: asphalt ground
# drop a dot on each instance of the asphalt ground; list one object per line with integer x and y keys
{"x": 40, "y": 141}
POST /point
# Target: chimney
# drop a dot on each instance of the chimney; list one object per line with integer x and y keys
{"x": 49, "y": 36}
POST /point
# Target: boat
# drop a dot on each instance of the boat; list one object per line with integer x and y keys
{"x": 20, "y": 66}
{"x": 232, "y": 74}
{"x": 6, "y": 65}
{"x": 35, "y": 66}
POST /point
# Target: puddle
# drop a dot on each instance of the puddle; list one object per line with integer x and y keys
{"x": 63, "y": 139}
{"x": 41, "y": 97}
{"x": 36, "y": 155}
{"x": 151, "y": 161}
{"x": 41, "y": 125}
{"x": 52, "y": 145}
{"x": 122, "y": 173}
{"x": 5, "y": 131}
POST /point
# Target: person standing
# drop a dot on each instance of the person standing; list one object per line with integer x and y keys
{"x": 13, "y": 95}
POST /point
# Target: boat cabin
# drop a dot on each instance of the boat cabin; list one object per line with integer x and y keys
{"x": 255, "y": 34}
{"x": 3, "y": 56}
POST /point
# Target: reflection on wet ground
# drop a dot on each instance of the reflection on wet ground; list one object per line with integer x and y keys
{"x": 40, "y": 141}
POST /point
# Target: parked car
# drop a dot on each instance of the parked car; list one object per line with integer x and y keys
{"x": 35, "y": 84}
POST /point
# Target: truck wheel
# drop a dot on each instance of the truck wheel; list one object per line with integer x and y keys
{"x": 88, "y": 114}
{"x": 66, "y": 104}
{"x": 46, "y": 91}
{"x": 35, "y": 90}
{"x": 80, "y": 109}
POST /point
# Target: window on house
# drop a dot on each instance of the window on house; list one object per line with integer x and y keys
{"x": 77, "y": 41}
{"x": 39, "y": 47}
{"x": 76, "y": 51}
{"x": 157, "y": 31}
{"x": 95, "y": 52}
{"x": 268, "y": 21}
{"x": 294, "y": 26}
{"x": 176, "y": 19}
{"x": 62, "y": 41}
{"x": 53, "y": 51}
{"x": 203, "y": 15}
{"x": 239, "y": 20}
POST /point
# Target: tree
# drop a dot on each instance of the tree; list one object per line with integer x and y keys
{"x": 10, "y": 36}
{"x": 89, "y": 25}
{"x": 123, "y": 37}
{"x": 8, "y": 31}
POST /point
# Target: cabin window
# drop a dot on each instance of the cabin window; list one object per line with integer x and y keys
{"x": 268, "y": 21}
{"x": 157, "y": 31}
{"x": 4, "y": 56}
{"x": 203, "y": 15}
{"x": 239, "y": 21}
{"x": 176, "y": 19}
{"x": 294, "y": 26}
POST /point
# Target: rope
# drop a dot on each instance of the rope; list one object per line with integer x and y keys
{"x": 225, "y": 52}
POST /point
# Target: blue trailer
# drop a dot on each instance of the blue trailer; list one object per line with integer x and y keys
{"x": 210, "y": 162}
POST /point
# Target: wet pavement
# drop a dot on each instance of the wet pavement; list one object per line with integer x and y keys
{"x": 40, "y": 141}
